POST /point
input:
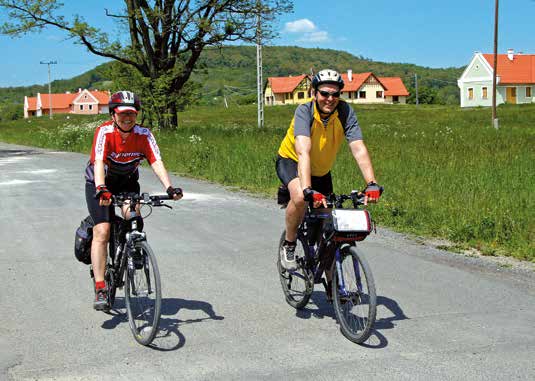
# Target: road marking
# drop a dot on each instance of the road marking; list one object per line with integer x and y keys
{"x": 17, "y": 182}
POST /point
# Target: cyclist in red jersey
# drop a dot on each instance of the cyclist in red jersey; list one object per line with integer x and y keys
{"x": 119, "y": 146}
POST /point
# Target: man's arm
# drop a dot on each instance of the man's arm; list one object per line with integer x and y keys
{"x": 302, "y": 149}
{"x": 362, "y": 157}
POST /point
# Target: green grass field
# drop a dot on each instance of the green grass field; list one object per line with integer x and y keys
{"x": 447, "y": 172}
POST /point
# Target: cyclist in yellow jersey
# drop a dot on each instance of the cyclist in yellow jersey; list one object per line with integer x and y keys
{"x": 308, "y": 151}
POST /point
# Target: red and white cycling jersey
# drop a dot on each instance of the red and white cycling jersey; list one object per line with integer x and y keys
{"x": 121, "y": 156}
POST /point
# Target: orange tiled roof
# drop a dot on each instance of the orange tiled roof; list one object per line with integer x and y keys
{"x": 102, "y": 96}
{"x": 394, "y": 86}
{"x": 32, "y": 103}
{"x": 520, "y": 70}
{"x": 58, "y": 100}
{"x": 285, "y": 84}
{"x": 357, "y": 80}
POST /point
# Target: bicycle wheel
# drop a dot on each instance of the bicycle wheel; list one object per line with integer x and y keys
{"x": 297, "y": 285}
{"x": 353, "y": 292}
{"x": 143, "y": 294}
{"x": 109, "y": 277}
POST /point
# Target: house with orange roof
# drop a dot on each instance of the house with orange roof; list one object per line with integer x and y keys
{"x": 82, "y": 102}
{"x": 515, "y": 79}
{"x": 287, "y": 90}
{"x": 368, "y": 88}
{"x": 358, "y": 88}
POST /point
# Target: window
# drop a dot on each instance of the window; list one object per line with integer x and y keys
{"x": 90, "y": 107}
{"x": 378, "y": 94}
{"x": 301, "y": 95}
{"x": 470, "y": 93}
{"x": 362, "y": 94}
{"x": 528, "y": 92}
{"x": 395, "y": 99}
{"x": 81, "y": 107}
{"x": 484, "y": 93}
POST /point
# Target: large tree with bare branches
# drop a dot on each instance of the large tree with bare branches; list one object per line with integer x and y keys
{"x": 165, "y": 38}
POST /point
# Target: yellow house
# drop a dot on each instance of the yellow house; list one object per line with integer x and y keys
{"x": 287, "y": 90}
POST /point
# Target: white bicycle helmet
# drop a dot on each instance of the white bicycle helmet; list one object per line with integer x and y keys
{"x": 327, "y": 76}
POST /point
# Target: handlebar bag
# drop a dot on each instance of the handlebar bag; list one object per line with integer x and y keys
{"x": 351, "y": 224}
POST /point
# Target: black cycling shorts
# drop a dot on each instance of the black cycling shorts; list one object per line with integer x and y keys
{"x": 105, "y": 213}
{"x": 287, "y": 171}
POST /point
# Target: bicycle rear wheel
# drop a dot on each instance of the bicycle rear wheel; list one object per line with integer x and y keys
{"x": 354, "y": 298}
{"x": 109, "y": 277}
{"x": 297, "y": 285}
{"x": 143, "y": 294}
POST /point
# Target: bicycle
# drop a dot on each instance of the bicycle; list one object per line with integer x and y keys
{"x": 327, "y": 245}
{"x": 131, "y": 264}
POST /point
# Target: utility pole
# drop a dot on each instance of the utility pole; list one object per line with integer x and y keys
{"x": 494, "y": 117}
{"x": 259, "y": 94}
{"x": 49, "y": 85}
{"x": 416, "y": 86}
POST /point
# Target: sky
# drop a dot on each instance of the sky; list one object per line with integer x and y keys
{"x": 435, "y": 34}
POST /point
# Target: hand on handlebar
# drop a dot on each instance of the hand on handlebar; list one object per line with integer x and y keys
{"x": 104, "y": 195}
{"x": 372, "y": 192}
{"x": 316, "y": 198}
{"x": 174, "y": 193}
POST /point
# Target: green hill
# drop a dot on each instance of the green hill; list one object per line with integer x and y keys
{"x": 231, "y": 71}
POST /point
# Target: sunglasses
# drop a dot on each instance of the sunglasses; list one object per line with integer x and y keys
{"x": 326, "y": 94}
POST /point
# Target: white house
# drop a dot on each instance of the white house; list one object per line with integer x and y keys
{"x": 515, "y": 79}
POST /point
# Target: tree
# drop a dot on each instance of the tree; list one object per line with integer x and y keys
{"x": 166, "y": 37}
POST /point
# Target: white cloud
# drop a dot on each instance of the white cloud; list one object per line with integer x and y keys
{"x": 307, "y": 30}
{"x": 319, "y": 36}
{"x": 299, "y": 26}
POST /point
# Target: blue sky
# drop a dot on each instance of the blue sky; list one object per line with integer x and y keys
{"x": 426, "y": 33}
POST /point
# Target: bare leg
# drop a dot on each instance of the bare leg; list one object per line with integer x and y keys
{"x": 101, "y": 235}
{"x": 295, "y": 210}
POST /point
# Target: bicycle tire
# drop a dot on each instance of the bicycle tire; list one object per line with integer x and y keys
{"x": 356, "y": 309}
{"x": 109, "y": 277}
{"x": 297, "y": 285}
{"x": 143, "y": 311}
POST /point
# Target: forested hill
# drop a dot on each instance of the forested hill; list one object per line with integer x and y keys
{"x": 236, "y": 66}
{"x": 232, "y": 71}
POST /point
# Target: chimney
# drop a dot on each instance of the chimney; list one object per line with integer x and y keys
{"x": 67, "y": 92}
{"x": 510, "y": 54}
{"x": 350, "y": 75}
{"x": 79, "y": 89}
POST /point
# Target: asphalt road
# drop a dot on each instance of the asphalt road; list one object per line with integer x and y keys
{"x": 441, "y": 316}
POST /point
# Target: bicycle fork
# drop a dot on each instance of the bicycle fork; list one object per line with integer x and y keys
{"x": 133, "y": 237}
{"x": 342, "y": 281}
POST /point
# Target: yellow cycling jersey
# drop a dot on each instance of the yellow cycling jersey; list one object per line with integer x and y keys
{"x": 326, "y": 136}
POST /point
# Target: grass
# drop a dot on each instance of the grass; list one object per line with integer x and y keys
{"x": 446, "y": 172}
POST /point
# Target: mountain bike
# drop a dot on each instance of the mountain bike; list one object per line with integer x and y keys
{"x": 327, "y": 253}
{"x": 131, "y": 264}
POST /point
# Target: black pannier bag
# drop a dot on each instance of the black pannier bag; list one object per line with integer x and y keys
{"x": 283, "y": 195}
{"x": 82, "y": 240}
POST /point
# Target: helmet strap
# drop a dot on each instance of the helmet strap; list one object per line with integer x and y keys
{"x": 120, "y": 129}
{"x": 324, "y": 113}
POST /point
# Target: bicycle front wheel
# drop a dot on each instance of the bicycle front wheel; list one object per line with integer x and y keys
{"x": 354, "y": 298}
{"x": 297, "y": 285}
{"x": 143, "y": 294}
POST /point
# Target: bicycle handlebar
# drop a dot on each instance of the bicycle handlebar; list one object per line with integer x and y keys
{"x": 333, "y": 200}
{"x": 143, "y": 199}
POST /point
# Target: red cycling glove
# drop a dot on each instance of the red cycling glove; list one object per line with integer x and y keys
{"x": 373, "y": 190}
{"x": 103, "y": 193}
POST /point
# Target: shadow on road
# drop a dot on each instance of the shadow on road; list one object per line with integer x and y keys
{"x": 377, "y": 340}
{"x": 169, "y": 321}
{"x": 17, "y": 152}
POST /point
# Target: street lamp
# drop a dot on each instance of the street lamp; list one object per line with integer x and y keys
{"x": 49, "y": 84}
